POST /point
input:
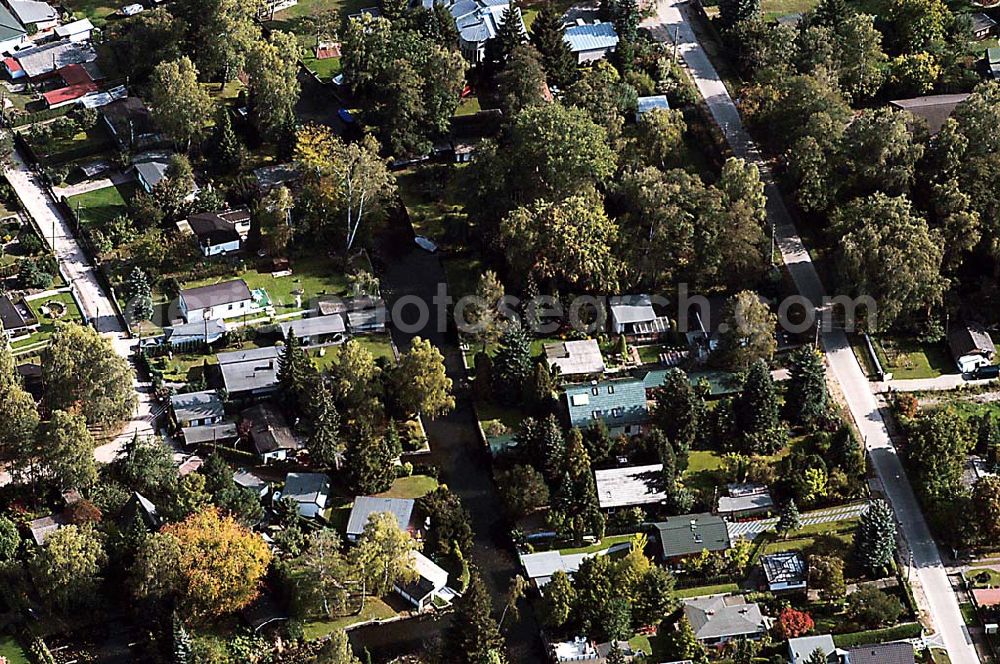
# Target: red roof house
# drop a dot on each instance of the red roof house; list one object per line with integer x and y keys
{"x": 78, "y": 83}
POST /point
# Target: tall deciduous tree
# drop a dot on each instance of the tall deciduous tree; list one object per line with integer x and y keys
{"x": 327, "y": 574}
{"x": 67, "y": 570}
{"x": 179, "y": 104}
{"x": 383, "y": 554}
{"x": 571, "y": 241}
{"x": 659, "y": 136}
{"x": 82, "y": 371}
{"x": 352, "y": 176}
{"x": 271, "y": 68}
{"x": 68, "y": 450}
{"x": 419, "y": 382}
{"x": 224, "y": 30}
{"x": 558, "y": 600}
{"x": 748, "y": 332}
{"x": 483, "y": 315}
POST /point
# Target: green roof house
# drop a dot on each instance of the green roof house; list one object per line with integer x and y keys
{"x": 620, "y": 403}
{"x": 12, "y": 33}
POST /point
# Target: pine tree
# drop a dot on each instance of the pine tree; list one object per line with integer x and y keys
{"x": 542, "y": 440}
{"x": 576, "y": 507}
{"x": 557, "y": 58}
{"x": 512, "y": 364}
{"x": 227, "y": 153}
{"x": 370, "y": 459}
{"x": 182, "y": 642}
{"x": 789, "y": 518}
{"x": 806, "y": 395}
{"x": 540, "y": 389}
{"x": 669, "y": 461}
{"x": 846, "y": 453}
{"x": 296, "y": 374}
{"x": 324, "y": 445}
{"x": 510, "y": 35}
{"x": 987, "y": 438}
{"x": 732, "y": 12}
{"x": 831, "y": 13}
{"x": 756, "y": 413}
{"x": 473, "y": 636}
{"x": 818, "y": 656}
{"x": 679, "y": 412}
{"x": 627, "y": 27}
{"x": 875, "y": 542}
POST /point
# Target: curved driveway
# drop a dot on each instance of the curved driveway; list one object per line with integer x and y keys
{"x": 931, "y": 576}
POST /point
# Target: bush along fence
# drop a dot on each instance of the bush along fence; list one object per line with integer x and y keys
{"x": 911, "y": 630}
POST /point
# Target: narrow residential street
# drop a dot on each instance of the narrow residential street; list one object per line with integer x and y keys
{"x": 672, "y": 20}
{"x": 94, "y": 302}
{"x": 457, "y": 450}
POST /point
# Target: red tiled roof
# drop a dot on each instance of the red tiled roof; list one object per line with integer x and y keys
{"x": 78, "y": 83}
{"x": 12, "y": 65}
{"x": 986, "y": 596}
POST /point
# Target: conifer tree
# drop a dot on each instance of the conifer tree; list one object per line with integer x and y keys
{"x": 296, "y": 374}
{"x": 756, "y": 412}
{"x": 512, "y": 364}
{"x": 325, "y": 445}
{"x": 875, "y": 541}
{"x": 182, "y": 642}
{"x": 473, "y": 637}
{"x": 789, "y": 518}
{"x": 547, "y": 37}
{"x": 806, "y": 395}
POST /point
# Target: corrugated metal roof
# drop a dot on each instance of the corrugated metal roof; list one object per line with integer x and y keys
{"x": 592, "y": 37}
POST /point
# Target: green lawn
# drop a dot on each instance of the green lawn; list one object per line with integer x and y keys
{"x": 698, "y": 591}
{"x": 182, "y": 368}
{"x": 326, "y": 69}
{"x": 378, "y": 345}
{"x": 415, "y": 486}
{"x": 96, "y": 10}
{"x": 313, "y": 275}
{"x": 295, "y": 19}
{"x": 432, "y": 195}
{"x": 468, "y": 106}
{"x": 837, "y": 536}
{"x": 969, "y": 614}
{"x": 47, "y": 324}
{"x": 91, "y": 141}
{"x": 908, "y": 358}
{"x": 100, "y": 206}
{"x": 605, "y": 543}
{"x": 704, "y": 470}
{"x": 772, "y": 9}
{"x": 12, "y": 651}
{"x": 983, "y": 577}
{"x": 375, "y": 608}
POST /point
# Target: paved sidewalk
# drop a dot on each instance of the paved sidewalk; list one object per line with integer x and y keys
{"x": 116, "y": 178}
{"x": 941, "y": 383}
{"x": 751, "y": 529}
{"x": 931, "y": 579}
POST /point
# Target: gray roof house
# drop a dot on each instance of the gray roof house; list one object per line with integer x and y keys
{"x": 575, "y": 358}
{"x": 365, "y": 506}
{"x": 626, "y": 487}
{"x": 540, "y": 566}
{"x": 47, "y": 58}
{"x": 721, "y": 618}
{"x": 745, "y": 500}
{"x": 197, "y": 408}
{"x": 900, "y": 652}
{"x": 12, "y": 34}
{"x": 32, "y": 12}
{"x": 801, "y": 649}
{"x": 227, "y": 299}
{"x": 210, "y": 434}
{"x": 250, "y": 373}
{"x": 971, "y": 346}
{"x": 203, "y": 331}
{"x": 247, "y": 479}
{"x": 634, "y": 316}
{"x": 590, "y": 42}
{"x": 45, "y": 526}
{"x": 130, "y": 123}
{"x": 982, "y": 25}
{"x": 270, "y": 434}
{"x": 784, "y": 571}
{"x": 150, "y": 170}
{"x": 17, "y": 319}
{"x": 477, "y": 22}
{"x": 314, "y": 330}
{"x": 933, "y": 109}
{"x": 651, "y": 103}
{"x": 621, "y": 403}
{"x": 688, "y": 534}
{"x": 309, "y": 490}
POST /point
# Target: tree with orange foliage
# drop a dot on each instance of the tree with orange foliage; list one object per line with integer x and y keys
{"x": 793, "y": 623}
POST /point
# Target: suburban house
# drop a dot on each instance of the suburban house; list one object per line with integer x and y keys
{"x": 365, "y": 506}
{"x": 591, "y": 41}
{"x": 628, "y": 487}
{"x": 247, "y": 479}
{"x": 196, "y": 409}
{"x": 477, "y": 22}
{"x": 745, "y": 500}
{"x": 316, "y": 330}
{"x": 189, "y": 464}
{"x": 41, "y": 528}
{"x": 575, "y": 358}
{"x": 217, "y": 233}
{"x": 785, "y": 571}
{"x": 270, "y": 434}
{"x": 428, "y": 584}
{"x": 41, "y": 61}
{"x": 370, "y": 320}
{"x": 539, "y": 567}
{"x": 151, "y": 169}
{"x": 140, "y": 509}
{"x": 971, "y": 346}
{"x": 581, "y": 649}
{"x": 899, "y": 652}
{"x": 12, "y": 35}
{"x": 227, "y": 299}
{"x": 634, "y": 316}
{"x": 983, "y": 25}
{"x": 276, "y": 175}
{"x": 620, "y": 403}
{"x": 310, "y": 490}
{"x": 130, "y": 124}
{"x": 651, "y": 103}
{"x": 78, "y": 81}
{"x": 249, "y": 373}
{"x": 32, "y": 13}
{"x": 721, "y": 618}
{"x": 223, "y": 433}
{"x": 17, "y": 319}
{"x": 75, "y": 31}
{"x": 801, "y": 649}
{"x": 690, "y": 534}
{"x": 932, "y": 110}
{"x": 206, "y": 331}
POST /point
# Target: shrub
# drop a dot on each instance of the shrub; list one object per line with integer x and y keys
{"x": 793, "y": 623}
{"x": 871, "y": 607}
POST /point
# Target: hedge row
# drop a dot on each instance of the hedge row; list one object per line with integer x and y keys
{"x": 896, "y": 633}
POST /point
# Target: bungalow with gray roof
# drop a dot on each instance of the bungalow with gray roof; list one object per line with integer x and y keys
{"x": 802, "y": 648}
{"x": 744, "y": 500}
{"x": 316, "y": 329}
{"x": 575, "y": 358}
{"x": 251, "y": 373}
{"x": 227, "y": 299}
{"x": 722, "y": 618}
{"x": 590, "y": 42}
{"x": 477, "y": 22}
{"x": 631, "y": 486}
{"x": 12, "y": 35}
{"x": 222, "y": 433}
{"x": 971, "y": 346}
{"x": 365, "y": 506}
{"x": 310, "y": 491}
{"x": 690, "y": 534}
{"x": 635, "y": 317}
{"x": 270, "y": 434}
{"x": 34, "y": 14}
{"x": 898, "y": 652}
{"x": 197, "y": 408}
{"x": 620, "y": 403}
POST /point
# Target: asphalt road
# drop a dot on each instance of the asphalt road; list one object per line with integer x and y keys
{"x": 672, "y": 20}
{"x": 94, "y": 302}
